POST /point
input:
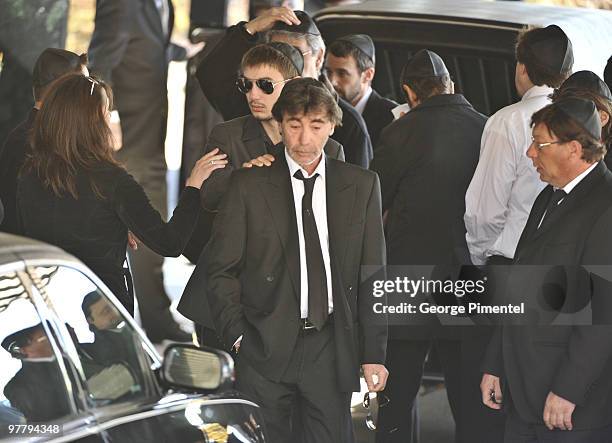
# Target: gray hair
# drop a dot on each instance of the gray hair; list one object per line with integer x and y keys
{"x": 314, "y": 42}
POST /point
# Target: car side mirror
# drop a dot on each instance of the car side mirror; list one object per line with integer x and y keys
{"x": 202, "y": 369}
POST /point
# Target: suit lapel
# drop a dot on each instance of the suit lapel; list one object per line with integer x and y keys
{"x": 253, "y": 138}
{"x": 340, "y": 201}
{"x": 278, "y": 194}
{"x": 575, "y": 197}
{"x": 370, "y": 106}
{"x": 153, "y": 16}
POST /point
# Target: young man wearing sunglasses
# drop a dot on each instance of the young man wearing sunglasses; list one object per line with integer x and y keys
{"x": 265, "y": 69}
{"x": 217, "y": 72}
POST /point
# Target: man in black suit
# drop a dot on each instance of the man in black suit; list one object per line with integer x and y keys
{"x": 130, "y": 49}
{"x": 217, "y": 73}
{"x": 424, "y": 173}
{"x": 350, "y": 66}
{"x": 50, "y": 65}
{"x": 37, "y": 390}
{"x": 557, "y": 380}
{"x": 289, "y": 249}
{"x": 254, "y": 137}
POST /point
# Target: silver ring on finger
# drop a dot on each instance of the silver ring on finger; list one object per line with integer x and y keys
{"x": 212, "y": 162}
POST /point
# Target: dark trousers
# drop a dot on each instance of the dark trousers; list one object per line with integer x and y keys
{"x": 144, "y": 132}
{"x": 309, "y": 386}
{"x": 460, "y": 360}
{"x": 518, "y": 431}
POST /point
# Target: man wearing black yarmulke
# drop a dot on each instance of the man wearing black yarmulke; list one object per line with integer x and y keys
{"x": 264, "y": 71}
{"x": 217, "y": 72}
{"x": 350, "y": 66}
{"x": 424, "y": 173}
{"x": 505, "y": 184}
{"x": 50, "y": 65}
{"x": 557, "y": 380}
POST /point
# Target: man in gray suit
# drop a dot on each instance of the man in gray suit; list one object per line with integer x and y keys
{"x": 130, "y": 49}
{"x": 254, "y": 139}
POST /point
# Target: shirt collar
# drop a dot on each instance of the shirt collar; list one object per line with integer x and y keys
{"x": 294, "y": 167}
{"x": 571, "y": 185}
{"x": 361, "y": 104}
{"x": 537, "y": 91}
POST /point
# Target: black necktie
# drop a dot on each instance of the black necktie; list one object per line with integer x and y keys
{"x": 315, "y": 268}
{"x": 555, "y": 198}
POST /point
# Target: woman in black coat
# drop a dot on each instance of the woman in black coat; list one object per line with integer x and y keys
{"x": 72, "y": 193}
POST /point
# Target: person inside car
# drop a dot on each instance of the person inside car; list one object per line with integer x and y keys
{"x": 37, "y": 389}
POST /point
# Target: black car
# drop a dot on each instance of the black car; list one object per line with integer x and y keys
{"x": 74, "y": 366}
{"x": 475, "y": 38}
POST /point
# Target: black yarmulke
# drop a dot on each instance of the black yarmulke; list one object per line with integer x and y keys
{"x": 362, "y": 42}
{"x": 306, "y": 26}
{"x": 52, "y": 64}
{"x": 292, "y": 53}
{"x": 608, "y": 73}
{"x": 553, "y": 48}
{"x": 587, "y": 80}
{"x": 425, "y": 64}
{"x": 582, "y": 112}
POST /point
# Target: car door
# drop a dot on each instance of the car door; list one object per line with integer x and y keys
{"x": 113, "y": 360}
{"x": 38, "y": 396}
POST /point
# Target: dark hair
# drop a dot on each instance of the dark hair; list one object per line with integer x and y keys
{"x": 88, "y": 301}
{"x": 608, "y": 73}
{"x": 601, "y": 103}
{"x": 40, "y": 91}
{"x": 567, "y": 129}
{"x": 71, "y": 134}
{"x": 303, "y": 95}
{"x": 342, "y": 48}
{"x": 425, "y": 87}
{"x": 538, "y": 73}
{"x": 267, "y": 55}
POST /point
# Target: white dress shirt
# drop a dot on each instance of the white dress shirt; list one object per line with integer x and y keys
{"x": 505, "y": 183}
{"x": 363, "y": 101}
{"x": 319, "y": 208}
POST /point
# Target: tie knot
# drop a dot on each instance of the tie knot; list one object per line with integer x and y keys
{"x": 298, "y": 174}
{"x": 558, "y": 195}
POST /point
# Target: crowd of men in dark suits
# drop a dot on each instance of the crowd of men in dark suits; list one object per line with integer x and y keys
{"x": 426, "y": 161}
{"x": 328, "y": 182}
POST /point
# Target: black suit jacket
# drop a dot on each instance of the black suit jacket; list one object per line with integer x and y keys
{"x": 377, "y": 114}
{"x": 129, "y": 50}
{"x": 217, "y": 75}
{"x": 424, "y": 174}
{"x": 253, "y": 269}
{"x": 574, "y": 362}
{"x": 242, "y": 139}
{"x": 12, "y": 157}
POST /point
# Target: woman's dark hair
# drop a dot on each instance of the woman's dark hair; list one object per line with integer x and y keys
{"x": 71, "y": 134}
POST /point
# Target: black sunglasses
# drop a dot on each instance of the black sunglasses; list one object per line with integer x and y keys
{"x": 267, "y": 86}
{"x": 382, "y": 400}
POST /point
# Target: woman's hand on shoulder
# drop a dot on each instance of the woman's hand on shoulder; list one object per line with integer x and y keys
{"x": 205, "y": 166}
